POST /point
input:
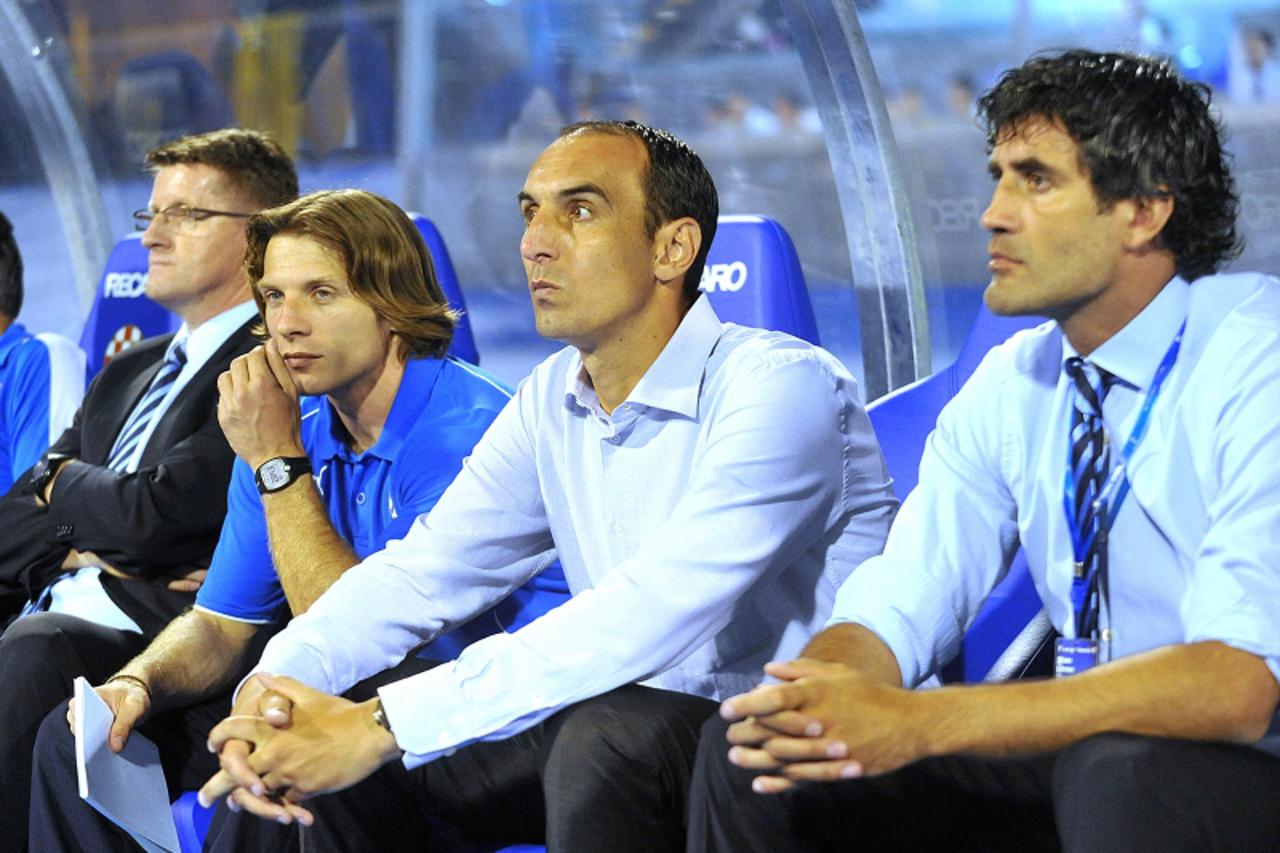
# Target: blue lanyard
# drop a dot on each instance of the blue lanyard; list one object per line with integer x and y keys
{"x": 1106, "y": 506}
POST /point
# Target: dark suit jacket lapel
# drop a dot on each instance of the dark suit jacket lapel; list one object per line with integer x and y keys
{"x": 112, "y": 406}
{"x": 197, "y": 392}
{"x": 133, "y": 391}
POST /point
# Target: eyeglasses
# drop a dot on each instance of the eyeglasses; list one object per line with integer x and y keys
{"x": 184, "y": 217}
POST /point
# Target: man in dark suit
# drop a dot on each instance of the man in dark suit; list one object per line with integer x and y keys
{"x": 111, "y": 531}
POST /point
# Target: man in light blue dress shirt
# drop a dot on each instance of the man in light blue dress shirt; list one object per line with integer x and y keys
{"x": 706, "y": 487}
{"x": 1112, "y": 208}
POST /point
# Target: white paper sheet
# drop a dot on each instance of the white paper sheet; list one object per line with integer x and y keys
{"x": 127, "y": 787}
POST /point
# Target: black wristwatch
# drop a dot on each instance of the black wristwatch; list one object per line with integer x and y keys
{"x": 275, "y": 474}
{"x": 45, "y": 470}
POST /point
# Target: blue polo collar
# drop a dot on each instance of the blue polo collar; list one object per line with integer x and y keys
{"x": 412, "y": 398}
{"x": 10, "y": 340}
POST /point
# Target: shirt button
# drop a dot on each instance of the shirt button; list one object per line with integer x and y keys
{"x": 360, "y": 498}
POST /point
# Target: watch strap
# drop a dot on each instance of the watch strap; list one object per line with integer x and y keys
{"x": 380, "y": 716}
{"x": 46, "y": 469}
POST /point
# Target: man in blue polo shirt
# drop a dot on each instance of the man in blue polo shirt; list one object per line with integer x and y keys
{"x": 354, "y": 313}
{"x": 41, "y": 376}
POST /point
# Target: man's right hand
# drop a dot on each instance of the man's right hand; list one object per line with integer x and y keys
{"x": 253, "y": 700}
{"x": 258, "y": 407}
{"x": 128, "y": 702}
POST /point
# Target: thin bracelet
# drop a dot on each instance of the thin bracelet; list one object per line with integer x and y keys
{"x": 124, "y": 676}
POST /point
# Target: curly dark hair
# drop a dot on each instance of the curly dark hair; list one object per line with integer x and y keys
{"x": 1143, "y": 132}
{"x": 676, "y": 184}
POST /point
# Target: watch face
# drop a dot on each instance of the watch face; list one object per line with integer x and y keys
{"x": 43, "y": 471}
{"x": 274, "y": 474}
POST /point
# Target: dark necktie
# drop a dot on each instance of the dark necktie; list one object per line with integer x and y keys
{"x": 1090, "y": 462}
{"x": 145, "y": 412}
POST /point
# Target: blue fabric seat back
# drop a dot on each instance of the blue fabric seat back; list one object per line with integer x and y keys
{"x": 122, "y": 314}
{"x": 464, "y": 342}
{"x": 902, "y": 421}
{"x": 753, "y": 277}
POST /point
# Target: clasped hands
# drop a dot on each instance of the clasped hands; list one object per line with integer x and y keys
{"x": 285, "y": 742}
{"x": 822, "y": 722}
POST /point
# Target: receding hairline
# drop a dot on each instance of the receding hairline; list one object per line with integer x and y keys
{"x": 582, "y": 186}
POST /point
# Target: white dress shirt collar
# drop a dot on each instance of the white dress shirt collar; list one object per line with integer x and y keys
{"x": 210, "y": 335}
{"x": 1133, "y": 353}
{"x": 672, "y": 383}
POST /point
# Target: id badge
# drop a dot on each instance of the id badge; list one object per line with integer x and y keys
{"x": 1072, "y": 655}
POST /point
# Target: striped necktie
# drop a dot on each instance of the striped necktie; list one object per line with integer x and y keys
{"x": 144, "y": 413}
{"x": 1090, "y": 457}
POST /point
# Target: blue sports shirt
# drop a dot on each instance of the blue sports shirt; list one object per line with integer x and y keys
{"x": 41, "y": 383}
{"x": 441, "y": 409}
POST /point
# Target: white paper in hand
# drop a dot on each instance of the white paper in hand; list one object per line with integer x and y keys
{"x": 127, "y": 787}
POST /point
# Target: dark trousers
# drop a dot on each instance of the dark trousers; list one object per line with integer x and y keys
{"x": 61, "y": 821}
{"x": 40, "y": 656}
{"x": 1108, "y": 792}
{"x": 608, "y": 774}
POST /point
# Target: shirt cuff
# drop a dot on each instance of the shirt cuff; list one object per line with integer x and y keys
{"x": 887, "y": 623}
{"x": 426, "y": 736}
{"x": 297, "y": 663}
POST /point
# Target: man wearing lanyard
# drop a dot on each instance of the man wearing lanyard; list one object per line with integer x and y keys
{"x": 1131, "y": 448}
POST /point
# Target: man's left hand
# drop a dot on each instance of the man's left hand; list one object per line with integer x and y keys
{"x": 76, "y": 560}
{"x": 190, "y": 582}
{"x": 823, "y": 722}
{"x": 331, "y": 744}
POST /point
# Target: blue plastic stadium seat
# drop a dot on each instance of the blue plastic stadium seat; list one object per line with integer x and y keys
{"x": 902, "y": 421}
{"x": 192, "y": 821}
{"x": 753, "y": 277}
{"x": 122, "y": 315}
{"x": 464, "y": 342}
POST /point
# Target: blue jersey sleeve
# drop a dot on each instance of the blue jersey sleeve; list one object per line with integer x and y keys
{"x": 25, "y": 409}
{"x": 242, "y": 582}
